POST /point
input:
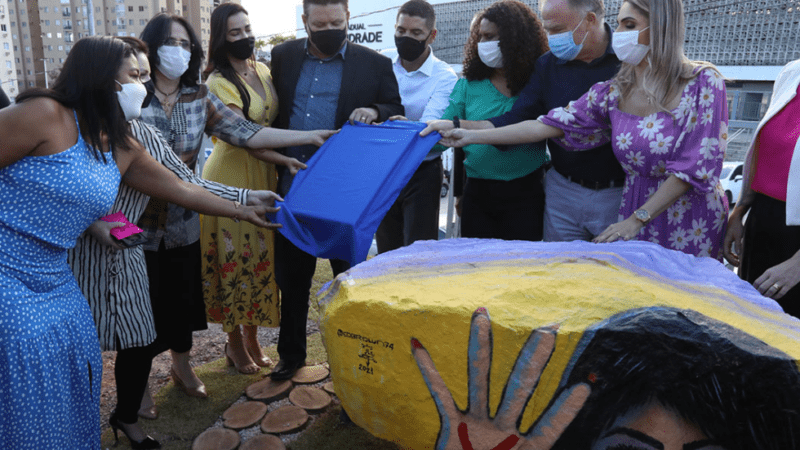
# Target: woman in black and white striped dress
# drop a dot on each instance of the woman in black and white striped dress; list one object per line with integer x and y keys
{"x": 115, "y": 282}
{"x": 114, "y": 278}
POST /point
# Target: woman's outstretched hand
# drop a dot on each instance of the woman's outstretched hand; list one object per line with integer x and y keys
{"x": 257, "y": 215}
{"x": 457, "y": 137}
{"x": 259, "y": 203}
{"x": 295, "y": 165}
{"x": 437, "y": 125}
{"x": 625, "y": 230}
{"x": 264, "y": 198}
{"x": 475, "y": 428}
{"x": 318, "y": 137}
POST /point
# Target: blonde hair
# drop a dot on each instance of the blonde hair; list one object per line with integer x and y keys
{"x": 668, "y": 67}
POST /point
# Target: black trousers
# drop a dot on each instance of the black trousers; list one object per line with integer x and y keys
{"x": 132, "y": 370}
{"x": 294, "y": 271}
{"x": 768, "y": 241}
{"x": 510, "y": 210}
{"x": 176, "y": 296}
{"x": 414, "y": 216}
{"x": 178, "y": 309}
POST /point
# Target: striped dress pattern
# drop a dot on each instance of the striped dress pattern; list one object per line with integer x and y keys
{"x": 115, "y": 281}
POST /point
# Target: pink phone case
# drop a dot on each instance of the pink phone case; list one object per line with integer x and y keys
{"x": 121, "y": 232}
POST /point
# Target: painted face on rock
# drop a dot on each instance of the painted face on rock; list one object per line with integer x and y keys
{"x": 654, "y": 427}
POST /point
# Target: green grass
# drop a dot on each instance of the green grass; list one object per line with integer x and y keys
{"x": 182, "y": 418}
{"x": 329, "y": 433}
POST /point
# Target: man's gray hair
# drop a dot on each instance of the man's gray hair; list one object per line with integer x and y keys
{"x": 595, "y": 6}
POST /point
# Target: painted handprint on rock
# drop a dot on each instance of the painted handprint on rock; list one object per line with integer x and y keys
{"x": 475, "y": 428}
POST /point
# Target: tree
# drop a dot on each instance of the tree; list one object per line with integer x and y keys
{"x": 280, "y": 38}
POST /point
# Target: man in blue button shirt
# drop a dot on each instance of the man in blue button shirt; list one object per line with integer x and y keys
{"x": 583, "y": 189}
{"x": 322, "y": 82}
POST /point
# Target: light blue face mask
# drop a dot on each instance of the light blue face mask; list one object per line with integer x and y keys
{"x": 563, "y": 44}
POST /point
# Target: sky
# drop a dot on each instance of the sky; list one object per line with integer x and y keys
{"x": 272, "y": 16}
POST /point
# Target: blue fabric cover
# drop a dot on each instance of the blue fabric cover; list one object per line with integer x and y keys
{"x": 335, "y": 205}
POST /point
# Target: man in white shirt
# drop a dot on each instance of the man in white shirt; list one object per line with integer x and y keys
{"x": 425, "y": 84}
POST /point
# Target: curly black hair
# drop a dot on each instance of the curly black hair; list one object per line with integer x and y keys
{"x": 522, "y": 41}
{"x": 741, "y": 392}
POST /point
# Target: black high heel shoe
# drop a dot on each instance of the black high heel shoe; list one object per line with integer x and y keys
{"x": 147, "y": 443}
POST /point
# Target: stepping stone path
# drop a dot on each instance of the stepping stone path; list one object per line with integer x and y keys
{"x": 310, "y": 398}
{"x": 310, "y": 375}
{"x": 217, "y": 439}
{"x": 268, "y": 391}
{"x": 266, "y": 402}
{"x": 244, "y": 415}
{"x": 286, "y": 419}
{"x": 263, "y": 442}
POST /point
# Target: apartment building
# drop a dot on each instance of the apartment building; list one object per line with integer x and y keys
{"x": 8, "y": 65}
{"x": 40, "y": 33}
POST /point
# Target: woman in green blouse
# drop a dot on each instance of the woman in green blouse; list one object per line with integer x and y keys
{"x": 503, "y": 197}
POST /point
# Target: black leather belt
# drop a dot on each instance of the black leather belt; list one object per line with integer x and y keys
{"x": 595, "y": 185}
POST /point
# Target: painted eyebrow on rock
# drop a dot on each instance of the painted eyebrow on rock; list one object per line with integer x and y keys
{"x": 638, "y": 435}
{"x": 702, "y": 444}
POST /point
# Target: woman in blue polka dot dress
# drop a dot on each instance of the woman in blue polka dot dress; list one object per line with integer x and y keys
{"x": 62, "y": 155}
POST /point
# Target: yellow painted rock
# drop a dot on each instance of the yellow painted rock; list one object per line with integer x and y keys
{"x": 644, "y": 294}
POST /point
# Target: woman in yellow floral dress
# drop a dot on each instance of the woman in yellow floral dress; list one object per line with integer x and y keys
{"x": 238, "y": 283}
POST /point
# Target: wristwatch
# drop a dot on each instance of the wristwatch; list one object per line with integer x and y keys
{"x": 642, "y": 215}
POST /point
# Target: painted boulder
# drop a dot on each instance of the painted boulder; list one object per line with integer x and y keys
{"x": 476, "y": 344}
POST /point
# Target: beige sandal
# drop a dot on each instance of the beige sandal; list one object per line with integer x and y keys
{"x": 248, "y": 369}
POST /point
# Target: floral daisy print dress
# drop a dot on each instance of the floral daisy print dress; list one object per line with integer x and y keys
{"x": 688, "y": 142}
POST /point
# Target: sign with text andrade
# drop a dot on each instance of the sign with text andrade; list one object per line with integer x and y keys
{"x": 371, "y": 23}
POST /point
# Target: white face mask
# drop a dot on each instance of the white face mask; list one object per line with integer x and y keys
{"x": 174, "y": 61}
{"x": 627, "y": 47}
{"x": 130, "y": 99}
{"x": 490, "y": 54}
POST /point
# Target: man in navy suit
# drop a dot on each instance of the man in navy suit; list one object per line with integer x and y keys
{"x": 322, "y": 81}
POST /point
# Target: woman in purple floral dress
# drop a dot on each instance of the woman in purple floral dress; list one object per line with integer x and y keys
{"x": 667, "y": 120}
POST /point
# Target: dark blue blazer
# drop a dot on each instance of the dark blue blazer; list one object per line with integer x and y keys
{"x": 367, "y": 80}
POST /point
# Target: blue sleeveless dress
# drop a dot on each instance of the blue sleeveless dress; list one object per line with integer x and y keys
{"x": 50, "y": 364}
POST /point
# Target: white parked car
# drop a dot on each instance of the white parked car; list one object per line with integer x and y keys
{"x": 731, "y": 179}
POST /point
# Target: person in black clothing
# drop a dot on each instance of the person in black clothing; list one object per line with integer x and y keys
{"x": 323, "y": 80}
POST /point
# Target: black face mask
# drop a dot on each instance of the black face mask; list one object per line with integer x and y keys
{"x": 409, "y": 48}
{"x": 151, "y": 91}
{"x": 328, "y": 41}
{"x": 241, "y": 49}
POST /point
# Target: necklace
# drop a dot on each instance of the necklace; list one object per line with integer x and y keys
{"x": 166, "y": 102}
{"x": 246, "y": 72}
{"x": 171, "y": 93}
